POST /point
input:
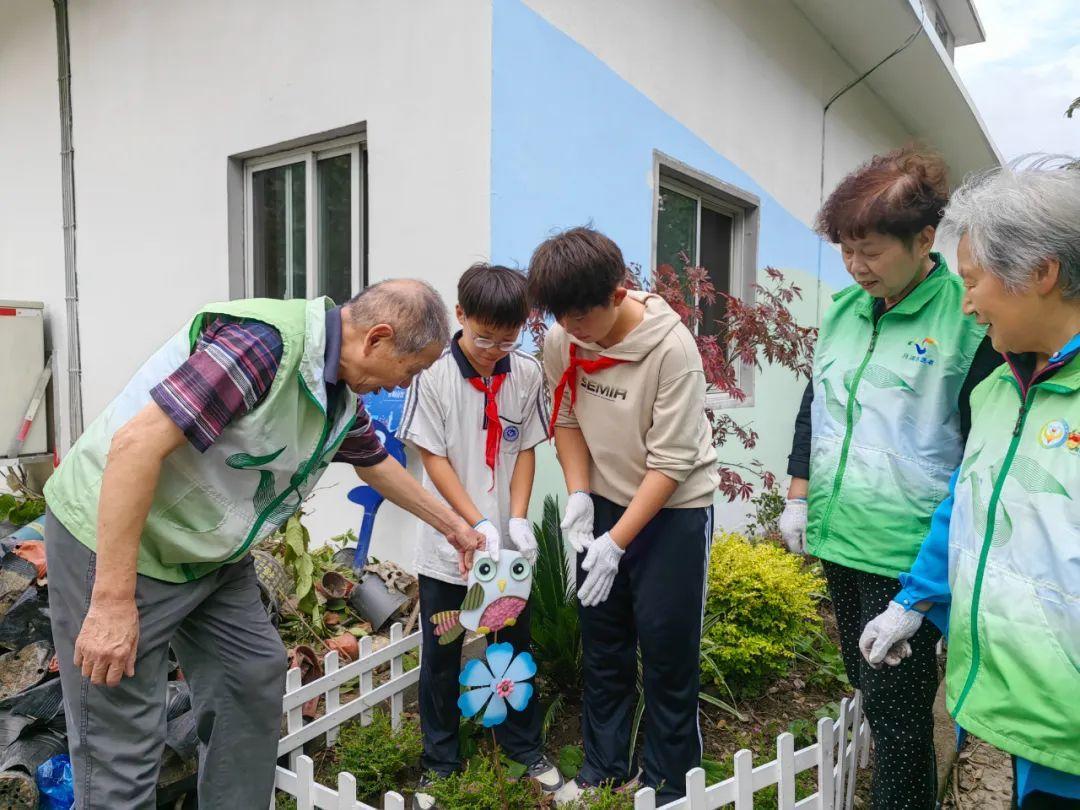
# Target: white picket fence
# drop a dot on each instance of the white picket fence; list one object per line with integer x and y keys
{"x": 842, "y": 747}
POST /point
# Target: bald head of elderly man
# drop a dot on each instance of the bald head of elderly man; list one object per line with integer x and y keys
{"x": 211, "y": 446}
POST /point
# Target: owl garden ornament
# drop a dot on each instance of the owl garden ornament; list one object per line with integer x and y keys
{"x": 498, "y": 592}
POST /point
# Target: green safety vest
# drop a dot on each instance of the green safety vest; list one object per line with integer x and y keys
{"x": 210, "y": 508}
{"x": 886, "y": 422}
{"x": 1013, "y": 674}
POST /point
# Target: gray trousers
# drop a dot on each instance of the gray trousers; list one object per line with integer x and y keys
{"x": 230, "y": 654}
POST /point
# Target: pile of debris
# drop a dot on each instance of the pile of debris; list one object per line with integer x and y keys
{"x": 31, "y": 711}
{"x": 32, "y": 729}
{"x": 326, "y": 599}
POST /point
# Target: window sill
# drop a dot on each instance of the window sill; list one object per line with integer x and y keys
{"x": 716, "y": 401}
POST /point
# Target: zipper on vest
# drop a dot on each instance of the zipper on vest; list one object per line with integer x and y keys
{"x": 850, "y": 409}
{"x": 976, "y": 590}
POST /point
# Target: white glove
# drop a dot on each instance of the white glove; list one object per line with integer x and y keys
{"x": 491, "y": 537}
{"x": 522, "y": 536}
{"x": 793, "y": 525}
{"x": 602, "y": 563}
{"x": 884, "y": 639}
{"x": 577, "y": 521}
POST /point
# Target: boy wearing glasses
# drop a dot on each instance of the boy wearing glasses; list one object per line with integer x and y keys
{"x": 474, "y": 417}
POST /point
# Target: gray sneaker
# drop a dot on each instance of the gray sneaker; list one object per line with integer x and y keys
{"x": 545, "y": 774}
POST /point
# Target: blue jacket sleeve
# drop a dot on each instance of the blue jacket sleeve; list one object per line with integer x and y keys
{"x": 928, "y": 579}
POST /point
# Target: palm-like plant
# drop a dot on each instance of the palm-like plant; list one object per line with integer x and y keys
{"x": 556, "y": 632}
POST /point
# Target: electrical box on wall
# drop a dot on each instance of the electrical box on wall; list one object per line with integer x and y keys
{"x": 22, "y": 359}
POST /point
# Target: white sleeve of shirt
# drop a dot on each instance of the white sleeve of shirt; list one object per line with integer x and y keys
{"x": 424, "y": 420}
{"x": 534, "y": 428}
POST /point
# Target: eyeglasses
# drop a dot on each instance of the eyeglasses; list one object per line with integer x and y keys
{"x": 486, "y": 343}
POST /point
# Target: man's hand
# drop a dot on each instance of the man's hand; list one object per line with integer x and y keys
{"x": 492, "y": 541}
{"x": 522, "y": 536}
{"x": 466, "y": 540}
{"x": 602, "y": 563}
{"x": 884, "y": 639}
{"x": 577, "y": 521}
{"x": 793, "y": 525}
{"x": 107, "y": 644}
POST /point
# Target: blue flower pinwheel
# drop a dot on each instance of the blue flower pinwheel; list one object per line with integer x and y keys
{"x": 496, "y": 682}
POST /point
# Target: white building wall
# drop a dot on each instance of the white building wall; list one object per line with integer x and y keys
{"x": 31, "y": 237}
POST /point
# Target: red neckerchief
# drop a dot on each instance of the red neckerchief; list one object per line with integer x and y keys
{"x": 569, "y": 377}
{"x": 491, "y": 414}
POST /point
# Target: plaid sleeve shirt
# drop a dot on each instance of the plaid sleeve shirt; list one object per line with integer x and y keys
{"x": 228, "y": 374}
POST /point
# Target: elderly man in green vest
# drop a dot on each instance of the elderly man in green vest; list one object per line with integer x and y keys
{"x": 214, "y": 443}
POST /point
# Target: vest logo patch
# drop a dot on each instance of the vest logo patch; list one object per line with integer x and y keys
{"x": 1055, "y": 433}
{"x": 511, "y": 433}
{"x": 922, "y": 351}
{"x": 609, "y": 392}
{"x": 1072, "y": 443}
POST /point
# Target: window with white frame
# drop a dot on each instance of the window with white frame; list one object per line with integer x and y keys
{"x": 713, "y": 225}
{"x": 304, "y": 222}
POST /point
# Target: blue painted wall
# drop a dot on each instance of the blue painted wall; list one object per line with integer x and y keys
{"x": 573, "y": 142}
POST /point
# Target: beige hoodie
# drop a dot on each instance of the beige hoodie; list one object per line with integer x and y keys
{"x": 645, "y": 414}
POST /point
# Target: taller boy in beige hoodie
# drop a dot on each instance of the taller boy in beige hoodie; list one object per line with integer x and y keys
{"x": 635, "y": 448}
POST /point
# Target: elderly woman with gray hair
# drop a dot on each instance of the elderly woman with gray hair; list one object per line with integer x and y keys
{"x": 1000, "y": 568}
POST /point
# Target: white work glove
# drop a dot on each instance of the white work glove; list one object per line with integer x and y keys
{"x": 793, "y": 525}
{"x": 884, "y": 639}
{"x": 522, "y": 536}
{"x": 492, "y": 541}
{"x": 577, "y": 522}
{"x": 602, "y": 563}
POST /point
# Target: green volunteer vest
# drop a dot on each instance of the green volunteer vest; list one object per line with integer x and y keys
{"x": 209, "y": 508}
{"x": 885, "y": 421}
{"x": 1013, "y": 674}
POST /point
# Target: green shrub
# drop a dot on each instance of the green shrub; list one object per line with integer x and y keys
{"x": 825, "y": 664}
{"x": 556, "y": 633}
{"x": 760, "y": 603}
{"x": 477, "y": 788}
{"x": 602, "y": 798}
{"x": 378, "y": 754}
{"x": 570, "y": 760}
{"x": 765, "y": 522}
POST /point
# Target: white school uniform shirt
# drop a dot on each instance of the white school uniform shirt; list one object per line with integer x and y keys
{"x": 444, "y": 415}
